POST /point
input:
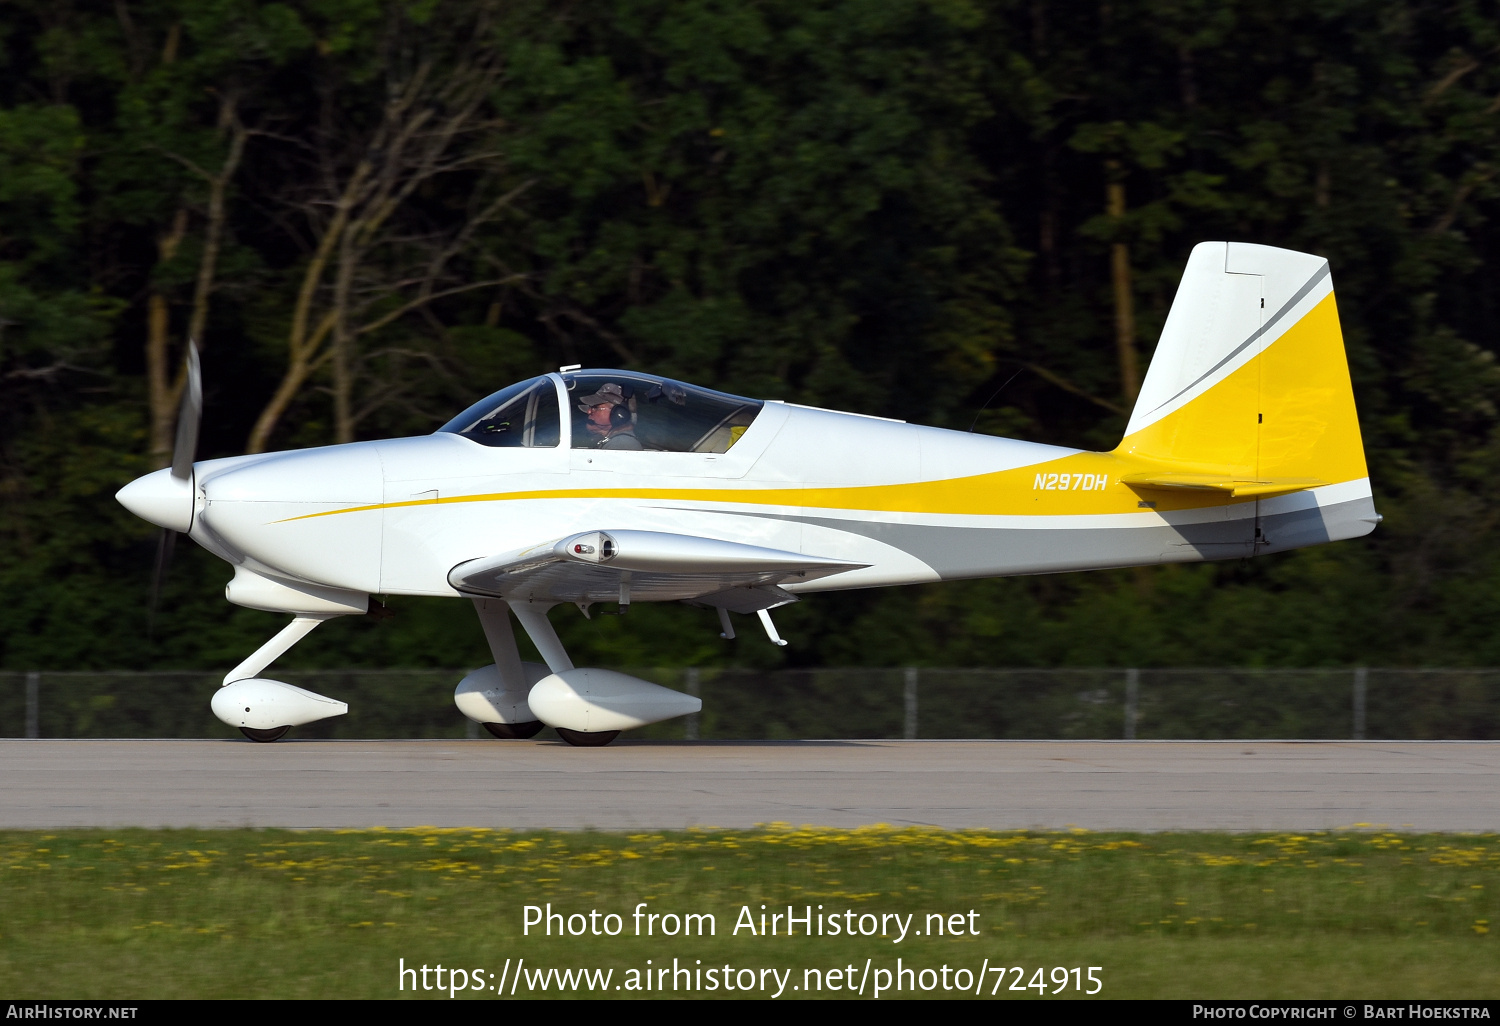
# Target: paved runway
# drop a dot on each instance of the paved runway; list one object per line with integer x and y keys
{"x": 1100, "y": 785}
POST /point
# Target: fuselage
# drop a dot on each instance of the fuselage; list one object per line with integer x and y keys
{"x": 915, "y": 504}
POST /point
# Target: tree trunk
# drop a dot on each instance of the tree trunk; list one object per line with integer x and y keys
{"x": 297, "y": 372}
{"x": 162, "y": 395}
{"x": 213, "y": 233}
{"x": 302, "y": 344}
{"x": 165, "y": 387}
{"x": 1119, "y": 272}
{"x": 343, "y": 347}
{"x": 367, "y": 270}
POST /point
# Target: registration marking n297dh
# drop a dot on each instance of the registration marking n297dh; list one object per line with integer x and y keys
{"x": 1056, "y": 482}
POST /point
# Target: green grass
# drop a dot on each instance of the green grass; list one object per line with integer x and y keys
{"x": 264, "y": 913}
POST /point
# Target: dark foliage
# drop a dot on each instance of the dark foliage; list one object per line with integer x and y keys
{"x": 890, "y": 206}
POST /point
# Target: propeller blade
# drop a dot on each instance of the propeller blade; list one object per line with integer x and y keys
{"x": 188, "y": 416}
{"x": 165, "y": 542}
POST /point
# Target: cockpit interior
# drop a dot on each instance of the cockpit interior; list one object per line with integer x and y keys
{"x": 609, "y": 409}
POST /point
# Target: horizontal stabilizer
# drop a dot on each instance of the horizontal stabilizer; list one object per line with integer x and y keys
{"x": 1235, "y": 486}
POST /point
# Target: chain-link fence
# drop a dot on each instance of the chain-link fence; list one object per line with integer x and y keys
{"x": 846, "y": 703}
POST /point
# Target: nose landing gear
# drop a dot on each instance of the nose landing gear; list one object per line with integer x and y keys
{"x": 262, "y": 709}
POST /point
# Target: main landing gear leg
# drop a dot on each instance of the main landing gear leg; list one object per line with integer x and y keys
{"x": 495, "y": 696}
{"x": 533, "y": 617}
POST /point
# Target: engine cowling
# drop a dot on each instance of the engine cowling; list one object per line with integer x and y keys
{"x": 595, "y": 701}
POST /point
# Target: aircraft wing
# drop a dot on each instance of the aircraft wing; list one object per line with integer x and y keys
{"x": 643, "y": 566}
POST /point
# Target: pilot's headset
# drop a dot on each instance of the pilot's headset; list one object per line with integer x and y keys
{"x": 622, "y": 414}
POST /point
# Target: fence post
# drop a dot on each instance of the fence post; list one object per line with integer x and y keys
{"x": 910, "y": 731}
{"x": 33, "y": 703}
{"x": 690, "y": 724}
{"x": 1361, "y": 679}
{"x": 1132, "y": 701}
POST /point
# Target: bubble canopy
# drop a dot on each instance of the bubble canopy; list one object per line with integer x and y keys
{"x": 660, "y": 414}
{"x": 523, "y": 416}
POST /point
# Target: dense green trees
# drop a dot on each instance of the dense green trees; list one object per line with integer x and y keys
{"x": 370, "y": 212}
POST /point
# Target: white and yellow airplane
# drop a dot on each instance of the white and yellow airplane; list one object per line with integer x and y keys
{"x": 611, "y": 486}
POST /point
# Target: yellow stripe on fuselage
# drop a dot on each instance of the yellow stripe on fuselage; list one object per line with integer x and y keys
{"x": 1008, "y": 491}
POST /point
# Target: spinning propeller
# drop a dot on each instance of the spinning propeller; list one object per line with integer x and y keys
{"x": 189, "y": 415}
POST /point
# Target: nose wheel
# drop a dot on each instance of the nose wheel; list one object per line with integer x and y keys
{"x": 265, "y": 736}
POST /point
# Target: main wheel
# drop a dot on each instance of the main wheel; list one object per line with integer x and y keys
{"x": 268, "y": 735}
{"x": 515, "y": 731}
{"x": 584, "y": 739}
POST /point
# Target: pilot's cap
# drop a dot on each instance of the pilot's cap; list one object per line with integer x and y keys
{"x": 608, "y": 393}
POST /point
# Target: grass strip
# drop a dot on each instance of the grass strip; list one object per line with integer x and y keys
{"x": 331, "y": 914}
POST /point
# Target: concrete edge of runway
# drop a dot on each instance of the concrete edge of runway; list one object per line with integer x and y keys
{"x": 1140, "y": 786}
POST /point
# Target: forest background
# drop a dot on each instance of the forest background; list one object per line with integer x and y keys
{"x": 370, "y": 214}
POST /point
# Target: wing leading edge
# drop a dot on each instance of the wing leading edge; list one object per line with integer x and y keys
{"x": 643, "y": 566}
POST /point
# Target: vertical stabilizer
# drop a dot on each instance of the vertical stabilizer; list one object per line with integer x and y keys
{"x": 1250, "y": 379}
{"x": 1248, "y": 397}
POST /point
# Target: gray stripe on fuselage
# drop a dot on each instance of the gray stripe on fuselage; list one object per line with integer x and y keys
{"x": 960, "y": 552}
{"x": 955, "y": 553}
{"x": 1303, "y": 527}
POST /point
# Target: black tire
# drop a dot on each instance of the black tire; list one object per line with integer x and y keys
{"x": 515, "y": 731}
{"x": 265, "y": 736}
{"x": 584, "y": 739}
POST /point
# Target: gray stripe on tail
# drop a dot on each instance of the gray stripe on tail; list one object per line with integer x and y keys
{"x": 1303, "y": 291}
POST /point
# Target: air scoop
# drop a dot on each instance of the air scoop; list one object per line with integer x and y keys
{"x": 161, "y": 498}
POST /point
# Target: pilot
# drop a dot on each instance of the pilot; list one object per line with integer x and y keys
{"x": 609, "y": 418}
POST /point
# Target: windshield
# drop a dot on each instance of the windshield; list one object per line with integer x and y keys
{"x": 614, "y": 409}
{"x": 521, "y": 416}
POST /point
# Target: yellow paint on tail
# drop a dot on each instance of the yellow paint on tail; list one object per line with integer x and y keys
{"x": 1283, "y": 421}
{"x": 1311, "y": 428}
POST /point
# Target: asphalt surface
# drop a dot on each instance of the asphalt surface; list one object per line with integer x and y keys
{"x": 1100, "y": 785}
